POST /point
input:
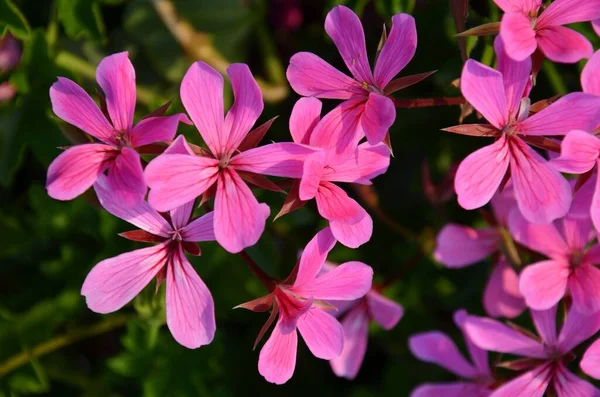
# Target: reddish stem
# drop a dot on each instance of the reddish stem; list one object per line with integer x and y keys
{"x": 428, "y": 102}
{"x": 264, "y": 278}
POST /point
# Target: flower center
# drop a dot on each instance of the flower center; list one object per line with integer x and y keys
{"x": 371, "y": 88}
{"x": 575, "y": 260}
{"x": 176, "y": 235}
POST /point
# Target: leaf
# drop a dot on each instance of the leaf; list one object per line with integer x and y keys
{"x": 260, "y": 181}
{"x": 81, "y": 19}
{"x": 486, "y": 130}
{"x": 460, "y": 9}
{"x": 406, "y": 81}
{"x": 191, "y": 248}
{"x": 428, "y": 102}
{"x": 142, "y": 236}
{"x": 542, "y": 142}
{"x": 292, "y": 201}
{"x": 12, "y": 18}
{"x": 160, "y": 111}
{"x": 542, "y": 104}
{"x": 487, "y": 29}
{"x": 256, "y": 135}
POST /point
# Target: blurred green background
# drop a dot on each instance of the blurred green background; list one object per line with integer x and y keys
{"x": 47, "y": 247}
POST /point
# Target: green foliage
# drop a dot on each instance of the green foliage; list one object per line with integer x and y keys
{"x": 11, "y": 18}
{"x": 81, "y": 19}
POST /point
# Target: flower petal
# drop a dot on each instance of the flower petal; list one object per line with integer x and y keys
{"x": 544, "y": 283}
{"x": 531, "y": 384}
{"x": 239, "y": 217}
{"x": 73, "y": 105}
{"x": 322, "y": 333}
{"x": 334, "y": 203}
{"x": 584, "y": 285}
{"x": 284, "y": 159}
{"x": 247, "y": 106}
{"x": 369, "y": 162}
{"x": 310, "y": 75}
{"x": 398, "y": 49}
{"x": 577, "y": 328}
{"x": 545, "y": 324}
{"x": 454, "y": 389}
{"x": 564, "y": 45}
{"x": 567, "y": 384}
{"x": 515, "y": 76}
{"x": 313, "y": 257}
{"x": 304, "y": 118}
{"x": 437, "y": 348}
{"x": 348, "y": 281}
{"x": 202, "y": 96}
{"x": 114, "y": 282}
{"x": 564, "y": 12}
{"x": 542, "y": 193}
{"x": 479, "y": 175}
{"x": 458, "y": 246}
{"x": 590, "y": 363}
{"x": 483, "y": 87}
{"x": 76, "y": 169}
{"x": 126, "y": 178}
{"x": 524, "y": 7}
{"x": 356, "y": 333}
{"x": 502, "y": 297}
{"x": 277, "y": 359}
{"x": 312, "y": 173}
{"x": 154, "y": 129}
{"x": 176, "y": 179}
{"x": 353, "y": 235}
{"x": 378, "y": 117}
{"x": 384, "y": 311}
{"x": 540, "y": 238}
{"x": 116, "y": 76}
{"x": 346, "y": 31}
{"x": 517, "y": 35}
{"x": 579, "y": 151}
{"x": 492, "y": 335}
{"x": 590, "y": 75}
{"x": 200, "y": 229}
{"x": 479, "y": 357}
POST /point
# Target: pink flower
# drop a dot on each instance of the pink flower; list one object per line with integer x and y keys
{"x": 77, "y": 168}
{"x": 7, "y": 91}
{"x": 571, "y": 265}
{"x": 10, "y": 53}
{"x": 175, "y": 179}
{"x": 437, "y": 348}
{"x": 366, "y": 109}
{"x": 546, "y": 359}
{"x": 350, "y": 224}
{"x": 523, "y": 30}
{"x": 542, "y": 193}
{"x": 114, "y": 282}
{"x": 300, "y": 306}
{"x": 459, "y": 246}
{"x": 590, "y": 362}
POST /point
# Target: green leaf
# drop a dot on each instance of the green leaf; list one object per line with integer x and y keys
{"x": 81, "y": 19}
{"x": 12, "y": 18}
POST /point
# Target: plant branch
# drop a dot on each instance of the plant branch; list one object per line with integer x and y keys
{"x": 429, "y": 102}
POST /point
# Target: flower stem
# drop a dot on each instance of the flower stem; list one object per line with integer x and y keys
{"x": 264, "y": 278}
{"x": 429, "y": 102}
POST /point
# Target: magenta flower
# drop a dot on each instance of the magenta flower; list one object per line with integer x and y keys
{"x": 114, "y": 282}
{"x": 590, "y": 362}
{"x": 300, "y": 306}
{"x": 366, "y": 109}
{"x": 522, "y": 30}
{"x": 175, "y": 179}
{"x": 437, "y": 348}
{"x": 77, "y": 168}
{"x": 546, "y": 357}
{"x": 459, "y": 246}
{"x": 542, "y": 193}
{"x": 10, "y": 53}
{"x": 350, "y": 224}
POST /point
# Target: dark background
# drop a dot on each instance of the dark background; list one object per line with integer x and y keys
{"x": 47, "y": 247}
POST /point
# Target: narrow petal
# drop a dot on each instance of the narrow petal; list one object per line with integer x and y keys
{"x": 540, "y": 238}
{"x": 577, "y": 328}
{"x": 483, "y": 87}
{"x": 492, "y": 335}
{"x": 179, "y": 146}
{"x": 567, "y": 384}
{"x": 247, "y": 106}
{"x": 76, "y": 169}
{"x": 190, "y": 306}
{"x": 544, "y": 283}
{"x": 590, "y": 363}
{"x": 141, "y": 215}
{"x": 348, "y": 281}
{"x": 116, "y": 76}
{"x": 345, "y": 29}
{"x": 437, "y": 348}
{"x": 576, "y": 230}
{"x": 313, "y": 257}
{"x": 479, "y": 357}
{"x": 595, "y": 206}
{"x": 309, "y": 75}
{"x": 176, "y": 179}
{"x": 542, "y": 193}
{"x": 239, "y": 217}
{"x": 284, "y": 159}
{"x": 200, "y": 229}
{"x": 126, "y": 177}
{"x": 369, "y": 162}
{"x": 590, "y": 75}
{"x": 154, "y": 129}
{"x": 578, "y": 153}
{"x": 524, "y": 7}
{"x": 517, "y": 35}
{"x": 545, "y": 324}
{"x": 502, "y": 297}
{"x": 564, "y": 12}
{"x": 356, "y": 333}
{"x": 574, "y": 111}
{"x": 458, "y": 246}
{"x": 312, "y": 173}
{"x": 304, "y": 118}
{"x": 322, "y": 333}
{"x": 584, "y": 285}
{"x": 515, "y": 75}
{"x": 503, "y": 204}
{"x": 564, "y": 45}
{"x": 384, "y": 311}
{"x": 333, "y": 203}
{"x": 378, "y": 117}
{"x": 454, "y": 389}
{"x": 180, "y": 216}
{"x": 353, "y": 235}
{"x": 277, "y": 359}
{"x": 531, "y": 384}
{"x": 479, "y": 175}
{"x": 202, "y": 96}
{"x": 398, "y": 50}
{"x": 73, "y": 105}
{"x": 114, "y": 282}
